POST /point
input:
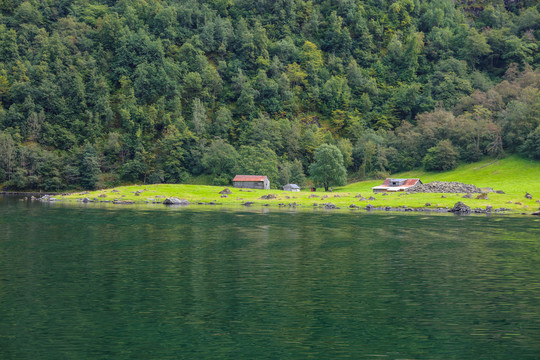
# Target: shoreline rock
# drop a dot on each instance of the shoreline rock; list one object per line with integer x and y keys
{"x": 268, "y": 197}
{"x": 176, "y": 201}
{"x": 460, "y": 208}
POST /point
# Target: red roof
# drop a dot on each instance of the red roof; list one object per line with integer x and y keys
{"x": 411, "y": 182}
{"x": 249, "y": 178}
{"x": 407, "y": 184}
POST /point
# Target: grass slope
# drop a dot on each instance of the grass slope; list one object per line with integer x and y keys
{"x": 513, "y": 175}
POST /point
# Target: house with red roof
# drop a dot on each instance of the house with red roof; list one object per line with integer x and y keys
{"x": 394, "y": 185}
{"x": 251, "y": 182}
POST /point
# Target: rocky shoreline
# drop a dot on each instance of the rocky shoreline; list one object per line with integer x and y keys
{"x": 458, "y": 209}
{"x": 29, "y": 193}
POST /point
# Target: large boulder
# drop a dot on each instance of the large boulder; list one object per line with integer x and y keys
{"x": 460, "y": 208}
{"x": 175, "y": 201}
{"x": 226, "y": 191}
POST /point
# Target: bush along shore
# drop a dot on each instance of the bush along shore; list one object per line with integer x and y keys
{"x": 483, "y": 201}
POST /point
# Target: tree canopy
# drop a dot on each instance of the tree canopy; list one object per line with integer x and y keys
{"x": 95, "y": 93}
{"x": 327, "y": 168}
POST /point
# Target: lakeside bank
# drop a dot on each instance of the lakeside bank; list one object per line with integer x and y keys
{"x": 195, "y": 195}
{"x": 515, "y": 177}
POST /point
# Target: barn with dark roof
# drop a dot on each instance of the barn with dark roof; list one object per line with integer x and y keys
{"x": 251, "y": 182}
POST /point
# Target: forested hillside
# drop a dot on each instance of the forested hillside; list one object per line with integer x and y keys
{"x": 97, "y": 93}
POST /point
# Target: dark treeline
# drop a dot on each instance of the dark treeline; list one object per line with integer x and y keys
{"x": 97, "y": 93}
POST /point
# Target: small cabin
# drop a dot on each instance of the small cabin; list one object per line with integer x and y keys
{"x": 291, "y": 187}
{"x": 251, "y": 182}
{"x": 394, "y": 185}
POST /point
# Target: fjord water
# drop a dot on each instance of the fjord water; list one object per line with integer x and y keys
{"x": 90, "y": 282}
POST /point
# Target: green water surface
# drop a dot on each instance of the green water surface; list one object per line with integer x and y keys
{"x": 84, "y": 282}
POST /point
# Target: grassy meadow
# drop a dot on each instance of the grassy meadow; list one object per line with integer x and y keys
{"x": 513, "y": 175}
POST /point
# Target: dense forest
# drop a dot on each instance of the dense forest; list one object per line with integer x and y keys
{"x": 100, "y": 93}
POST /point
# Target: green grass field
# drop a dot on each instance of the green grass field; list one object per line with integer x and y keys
{"x": 513, "y": 175}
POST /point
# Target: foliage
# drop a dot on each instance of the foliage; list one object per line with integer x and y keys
{"x": 221, "y": 159}
{"x": 328, "y": 168}
{"x": 531, "y": 146}
{"x": 89, "y": 169}
{"x": 159, "y": 89}
{"x": 258, "y": 160}
{"x": 441, "y": 157}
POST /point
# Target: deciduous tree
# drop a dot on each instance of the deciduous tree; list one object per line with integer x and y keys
{"x": 328, "y": 168}
{"x": 441, "y": 157}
